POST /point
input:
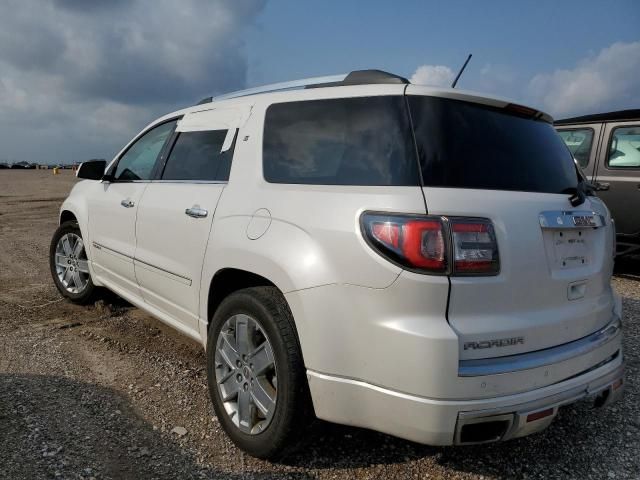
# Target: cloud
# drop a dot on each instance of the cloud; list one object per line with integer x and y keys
{"x": 91, "y": 74}
{"x": 606, "y": 81}
{"x": 433, "y": 75}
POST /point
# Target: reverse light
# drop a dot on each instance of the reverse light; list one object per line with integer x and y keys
{"x": 475, "y": 247}
{"x": 434, "y": 244}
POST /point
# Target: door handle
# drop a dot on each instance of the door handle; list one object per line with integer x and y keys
{"x": 127, "y": 203}
{"x": 602, "y": 186}
{"x": 196, "y": 212}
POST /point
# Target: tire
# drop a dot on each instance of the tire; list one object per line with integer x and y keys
{"x": 79, "y": 288}
{"x": 263, "y": 435}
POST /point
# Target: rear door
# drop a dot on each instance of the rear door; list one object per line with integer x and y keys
{"x": 555, "y": 264}
{"x": 619, "y": 169}
{"x": 177, "y": 210}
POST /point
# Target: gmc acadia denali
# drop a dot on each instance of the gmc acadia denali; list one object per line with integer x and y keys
{"x": 423, "y": 262}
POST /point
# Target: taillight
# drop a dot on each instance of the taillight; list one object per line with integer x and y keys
{"x": 423, "y": 243}
{"x": 475, "y": 247}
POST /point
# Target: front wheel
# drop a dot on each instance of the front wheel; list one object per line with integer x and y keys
{"x": 69, "y": 264}
{"x": 257, "y": 379}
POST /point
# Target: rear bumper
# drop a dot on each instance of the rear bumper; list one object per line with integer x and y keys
{"x": 541, "y": 358}
{"x": 446, "y": 422}
{"x": 527, "y": 418}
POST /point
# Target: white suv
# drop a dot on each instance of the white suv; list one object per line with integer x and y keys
{"x": 423, "y": 262}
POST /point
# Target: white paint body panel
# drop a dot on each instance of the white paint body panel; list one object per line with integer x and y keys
{"x": 112, "y": 228}
{"x": 529, "y": 297}
{"x": 171, "y": 245}
{"x": 377, "y": 344}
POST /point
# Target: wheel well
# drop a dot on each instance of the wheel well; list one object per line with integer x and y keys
{"x": 67, "y": 216}
{"x": 229, "y": 280}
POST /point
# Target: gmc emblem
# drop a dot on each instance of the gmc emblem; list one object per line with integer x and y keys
{"x": 499, "y": 342}
{"x": 584, "y": 221}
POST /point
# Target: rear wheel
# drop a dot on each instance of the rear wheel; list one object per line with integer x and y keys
{"x": 69, "y": 264}
{"x": 256, "y": 375}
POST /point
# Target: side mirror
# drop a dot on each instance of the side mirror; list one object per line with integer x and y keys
{"x": 92, "y": 170}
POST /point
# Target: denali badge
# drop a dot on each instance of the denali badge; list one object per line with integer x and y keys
{"x": 499, "y": 342}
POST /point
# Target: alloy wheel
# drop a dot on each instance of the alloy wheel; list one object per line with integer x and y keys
{"x": 71, "y": 263}
{"x": 245, "y": 373}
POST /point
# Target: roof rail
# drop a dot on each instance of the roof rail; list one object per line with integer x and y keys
{"x": 357, "y": 77}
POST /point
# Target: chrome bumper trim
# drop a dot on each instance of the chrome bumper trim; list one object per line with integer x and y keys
{"x": 540, "y": 358}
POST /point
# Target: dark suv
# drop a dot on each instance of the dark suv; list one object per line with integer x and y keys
{"x": 607, "y": 147}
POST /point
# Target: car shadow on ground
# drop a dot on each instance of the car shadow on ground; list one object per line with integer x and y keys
{"x": 58, "y": 427}
{"x": 332, "y": 446}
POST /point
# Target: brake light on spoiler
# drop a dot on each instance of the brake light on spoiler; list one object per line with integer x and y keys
{"x": 435, "y": 245}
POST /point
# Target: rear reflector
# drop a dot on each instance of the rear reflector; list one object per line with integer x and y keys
{"x": 422, "y": 243}
{"x": 532, "y": 417}
{"x": 617, "y": 384}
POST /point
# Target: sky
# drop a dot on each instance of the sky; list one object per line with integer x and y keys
{"x": 79, "y": 78}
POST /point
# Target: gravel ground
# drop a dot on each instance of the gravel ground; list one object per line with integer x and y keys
{"x": 98, "y": 391}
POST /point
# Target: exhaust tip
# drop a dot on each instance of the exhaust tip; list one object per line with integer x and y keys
{"x": 489, "y": 430}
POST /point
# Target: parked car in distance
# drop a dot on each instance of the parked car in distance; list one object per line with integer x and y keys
{"x": 420, "y": 261}
{"x": 607, "y": 148}
{"x": 23, "y": 166}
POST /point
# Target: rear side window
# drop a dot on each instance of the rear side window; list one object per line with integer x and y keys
{"x": 467, "y": 145}
{"x": 579, "y": 142}
{"x": 347, "y": 141}
{"x": 624, "y": 150}
{"x": 197, "y": 156}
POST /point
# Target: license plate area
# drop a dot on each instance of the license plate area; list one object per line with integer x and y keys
{"x": 569, "y": 237}
{"x": 571, "y": 248}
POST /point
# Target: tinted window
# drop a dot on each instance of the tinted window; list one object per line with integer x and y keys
{"x": 138, "y": 161}
{"x": 579, "y": 143}
{"x": 467, "y": 145}
{"x": 196, "y": 156}
{"x": 624, "y": 150}
{"x": 350, "y": 141}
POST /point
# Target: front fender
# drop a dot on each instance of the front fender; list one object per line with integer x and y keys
{"x": 76, "y": 204}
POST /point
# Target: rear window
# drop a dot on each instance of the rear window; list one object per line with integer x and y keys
{"x": 347, "y": 141}
{"x": 466, "y": 145}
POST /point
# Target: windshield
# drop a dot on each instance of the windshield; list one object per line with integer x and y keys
{"x": 466, "y": 145}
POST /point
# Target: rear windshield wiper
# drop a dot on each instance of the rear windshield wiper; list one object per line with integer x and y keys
{"x": 580, "y": 192}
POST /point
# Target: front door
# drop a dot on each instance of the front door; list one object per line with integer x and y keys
{"x": 112, "y": 211}
{"x": 176, "y": 214}
{"x": 582, "y": 141}
{"x": 619, "y": 171}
